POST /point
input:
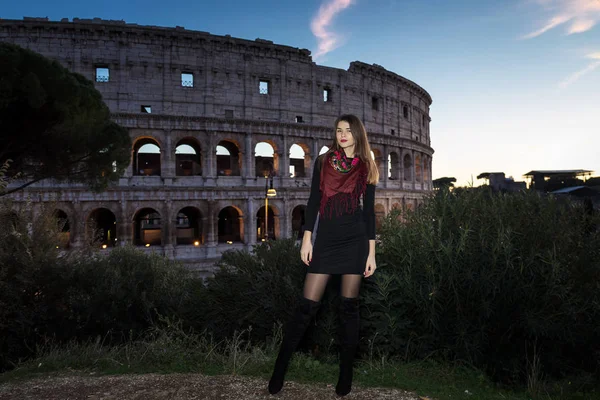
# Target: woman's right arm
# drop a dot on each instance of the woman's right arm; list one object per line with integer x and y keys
{"x": 312, "y": 207}
{"x": 310, "y": 216}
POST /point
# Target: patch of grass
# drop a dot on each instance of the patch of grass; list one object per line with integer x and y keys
{"x": 175, "y": 351}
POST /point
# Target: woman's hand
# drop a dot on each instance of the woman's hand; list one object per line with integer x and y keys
{"x": 306, "y": 251}
{"x": 371, "y": 267}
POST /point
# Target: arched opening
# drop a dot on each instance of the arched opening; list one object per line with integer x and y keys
{"x": 264, "y": 159}
{"x": 426, "y": 166}
{"x": 260, "y": 224}
{"x": 146, "y": 158}
{"x": 64, "y": 229}
{"x": 323, "y": 150}
{"x": 379, "y": 216}
{"x": 148, "y": 228}
{"x": 188, "y": 225}
{"x": 407, "y": 168}
{"x": 393, "y": 166}
{"x": 229, "y": 227}
{"x": 297, "y": 162}
{"x": 188, "y": 159}
{"x": 228, "y": 159}
{"x": 102, "y": 228}
{"x": 298, "y": 221}
{"x": 418, "y": 168}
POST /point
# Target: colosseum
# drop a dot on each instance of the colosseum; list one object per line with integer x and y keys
{"x": 216, "y": 121}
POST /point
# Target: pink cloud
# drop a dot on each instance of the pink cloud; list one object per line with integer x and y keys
{"x": 584, "y": 14}
{"x": 327, "y": 40}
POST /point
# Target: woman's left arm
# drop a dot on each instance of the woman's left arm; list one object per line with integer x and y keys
{"x": 369, "y": 213}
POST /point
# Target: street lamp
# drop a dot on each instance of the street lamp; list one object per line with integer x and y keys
{"x": 269, "y": 192}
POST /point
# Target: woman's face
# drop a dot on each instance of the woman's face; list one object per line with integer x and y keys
{"x": 343, "y": 135}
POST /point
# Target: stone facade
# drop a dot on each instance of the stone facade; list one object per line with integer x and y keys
{"x": 179, "y": 89}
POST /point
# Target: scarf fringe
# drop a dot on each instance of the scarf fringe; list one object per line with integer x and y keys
{"x": 343, "y": 203}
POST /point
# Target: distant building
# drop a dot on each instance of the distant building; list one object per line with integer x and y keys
{"x": 551, "y": 180}
{"x": 500, "y": 183}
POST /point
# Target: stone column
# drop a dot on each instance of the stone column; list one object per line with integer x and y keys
{"x": 287, "y": 220}
{"x": 422, "y": 171}
{"x": 248, "y": 172}
{"x": 413, "y": 167}
{"x": 77, "y": 225}
{"x": 212, "y": 232}
{"x": 166, "y": 222}
{"x": 284, "y": 163}
{"x": 251, "y": 223}
{"x": 167, "y": 162}
{"x": 212, "y": 221}
{"x": 124, "y": 225}
{"x": 209, "y": 169}
{"x": 386, "y": 166}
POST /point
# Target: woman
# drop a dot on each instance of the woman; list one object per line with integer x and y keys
{"x": 345, "y": 243}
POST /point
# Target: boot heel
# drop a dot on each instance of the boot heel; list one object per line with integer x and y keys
{"x": 294, "y": 331}
{"x": 349, "y": 336}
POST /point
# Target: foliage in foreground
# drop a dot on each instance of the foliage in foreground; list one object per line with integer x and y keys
{"x": 507, "y": 284}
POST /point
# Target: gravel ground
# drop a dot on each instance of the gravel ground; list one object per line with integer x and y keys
{"x": 179, "y": 386}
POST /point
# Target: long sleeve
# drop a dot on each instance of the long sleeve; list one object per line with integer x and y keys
{"x": 314, "y": 199}
{"x": 369, "y": 211}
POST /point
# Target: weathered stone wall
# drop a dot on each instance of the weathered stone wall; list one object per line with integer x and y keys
{"x": 145, "y": 65}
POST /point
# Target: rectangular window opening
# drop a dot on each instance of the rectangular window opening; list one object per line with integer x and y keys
{"x": 228, "y": 114}
{"x": 299, "y": 119}
{"x": 102, "y": 74}
{"x": 375, "y": 103}
{"x": 327, "y": 95}
{"x": 393, "y": 132}
{"x": 146, "y": 109}
{"x": 187, "y": 79}
{"x": 405, "y": 112}
{"x": 263, "y": 87}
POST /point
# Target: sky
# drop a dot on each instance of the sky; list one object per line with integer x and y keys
{"x": 515, "y": 83}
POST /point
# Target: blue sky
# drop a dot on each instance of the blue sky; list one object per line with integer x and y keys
{"x": 515, "y": 83}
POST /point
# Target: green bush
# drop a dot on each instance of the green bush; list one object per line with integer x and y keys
{"x": 257, "y": 290}
{"x": 506, "y": 282}
{"x": 48, "y": 295}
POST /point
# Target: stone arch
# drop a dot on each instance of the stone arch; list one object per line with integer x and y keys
{"x": 229, "y": 162}
{"x": 265, "y": 158}
{"x": 273, "y": 223}
{"x": 230, "y": 225}
{"x": 188, "y": 226}
{"x": 299, "y": 160}
{"x": 393, "y": 166}
{"x": 426, "y": 169}
{"x": 63, "y": 224}
{"x": 147, "y": 227}
{"x": 298, "y": 221}
{"x": 146, "y": 157}
{"x": 101, "y": 227}
{"x": 379, "y": 215}
{"x": 418, "y": 168}
{"x": 188, "y": 157}
{"x": 407, "y": 167}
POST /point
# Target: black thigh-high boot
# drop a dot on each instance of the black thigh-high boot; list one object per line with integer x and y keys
{"x": 294, "y": 331}
{"x": 349, "y": 335}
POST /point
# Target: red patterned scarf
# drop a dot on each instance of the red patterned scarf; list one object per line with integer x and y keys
{"x": 333, "y": 182}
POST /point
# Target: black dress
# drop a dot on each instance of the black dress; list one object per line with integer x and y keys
{"x": 341, "y": 245}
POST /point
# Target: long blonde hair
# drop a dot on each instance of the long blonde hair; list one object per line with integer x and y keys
{"x": 362, "y": 149}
